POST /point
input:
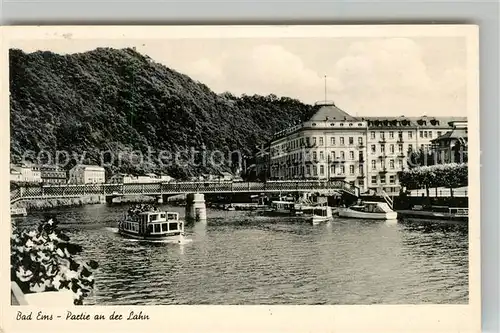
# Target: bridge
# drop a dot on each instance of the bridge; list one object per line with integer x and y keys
{"x": 110, "y": 191}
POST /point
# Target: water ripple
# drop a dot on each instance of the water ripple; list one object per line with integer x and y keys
{"x": 240, "y": 259}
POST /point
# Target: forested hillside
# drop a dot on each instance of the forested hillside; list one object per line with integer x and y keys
{"x": 119, "y": 101}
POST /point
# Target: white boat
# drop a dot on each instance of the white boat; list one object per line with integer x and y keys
{"x": 369, "y": 210}
{"x": 321, "y": 214}
{"x": 151, "y": 224}
{"x": 18, "y": 212}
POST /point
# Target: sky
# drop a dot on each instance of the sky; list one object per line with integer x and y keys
{"x": 364, "y": 76}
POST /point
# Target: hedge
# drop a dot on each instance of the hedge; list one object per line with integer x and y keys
{"x": 442, "y": 175}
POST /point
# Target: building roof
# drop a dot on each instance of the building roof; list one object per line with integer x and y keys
{"x": 456, "y": 133}
{"x": 425, "y": 121}
{"x": 89, "y": 167}
{"x": 329, "y": 111}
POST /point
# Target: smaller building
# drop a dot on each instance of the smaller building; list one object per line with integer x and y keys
{"x": 52, "y": 174}
{"x": 26, "y": 173}
{"x": 451, "y": 147}
{"x": 87, "y": 174}
{"x": 15, "y": 175}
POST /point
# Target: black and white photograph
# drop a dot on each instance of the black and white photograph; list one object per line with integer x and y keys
{"x": 254, "y": 170}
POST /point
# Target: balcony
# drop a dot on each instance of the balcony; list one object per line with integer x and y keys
{"x": 338, "y": 160}
{"x": 382, "y": 156}
{"x": 382, "y": 140}
{"x": 400, "y": 140}
{"x": 383, "y": 170}
{"x": 361, "y": 145}
{"x": 401, "y": 155}
{"x": 362, "y": 175}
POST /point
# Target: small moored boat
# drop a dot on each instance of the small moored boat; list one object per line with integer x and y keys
{"x": 321, "y": 214}
{"x": 369, "y": 210}
{"x": 14, "y": 212}
{"x": 150, "y": 224}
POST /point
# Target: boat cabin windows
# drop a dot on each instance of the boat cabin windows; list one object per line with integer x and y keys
{"x": 173, "y": 226}
{"x": 164, "y": 227}
{"x": 162, "y": 215}
{"x": 157, "y": 228}
{"x": 172, "y": 216}
{"x": 153, "y": 217}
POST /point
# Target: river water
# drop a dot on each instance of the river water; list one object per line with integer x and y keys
{"x": 239, "y": 258}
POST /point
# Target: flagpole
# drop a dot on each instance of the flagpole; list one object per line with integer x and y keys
{"x": 325, "y": 90}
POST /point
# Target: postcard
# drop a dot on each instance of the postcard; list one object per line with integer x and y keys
{"x": 241, "y": 179}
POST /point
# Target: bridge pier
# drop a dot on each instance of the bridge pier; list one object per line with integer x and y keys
{"x": 159, "y": 199}
{"x": 195, "y": 207}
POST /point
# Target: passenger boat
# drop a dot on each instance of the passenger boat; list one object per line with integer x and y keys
{"x": 321, "y": 214}
{"x": 369, "y": 210}
{"x": 151, "y": 224}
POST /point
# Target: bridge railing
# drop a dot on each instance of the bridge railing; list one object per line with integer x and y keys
{"x": 180, "y": 187}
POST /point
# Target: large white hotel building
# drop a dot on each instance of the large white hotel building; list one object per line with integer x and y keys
{"x": 367, "y": 152}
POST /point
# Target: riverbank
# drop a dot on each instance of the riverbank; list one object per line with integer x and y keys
{"x": 47, "y": 204}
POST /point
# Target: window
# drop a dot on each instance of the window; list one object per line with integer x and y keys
{"x": 400, "y": 148}
{"x": 315, "y": 155}
{"x": 382, "y": 148}
{"x": 164, "y": 227}
{"x": 391, "y": 164}
{"x": 372, "y": 135}
{"x": 342, "y": 169}
{"x": 321, "y": 155}
{"x": 314, "y": 140}
{"x": 421, "y": 134}
{"x": 425, "y": 134}
{"x": 361, "y": 182}
{"x": 382, "y": 164}
{"x": 374, "y": 149}
{"x": 360, "y": 140}
{"x": 391, "y": 135}
{"x": 332, "y": 140}
{"x": 361, "y": 169}
{"x": 382, "y": 179}
{"x": 392, "y": 179}
{"x": 315, "y": 171}
{"x": 410, "y": 135}
{"x": 333, "y": 169}
{"x": 391, "y": 149}
{"x": 321, "y": 170}
{"x": 438, "y": 133}
{"x": 374, "y": 179}
{"x": 308, "y": 170}
{"x": 321, "y": 141}
{"x": 351, "y": 140}
{"x": 382, "y": 135}
{"x": 157, "y": 228}
{"x": 172, "y": 226}
{"x": 351, "y": 155}
{"x": 333, "y": 155}
{"x": 342, "y": 155}
{"x": 341, "y": 140}
{"x": 361, "y": 156}
{"x": 401, "y": 164}
{"x": 374, "y": 165}
{"x": 351, "y": 169}
{"x": 430, "y": 134}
